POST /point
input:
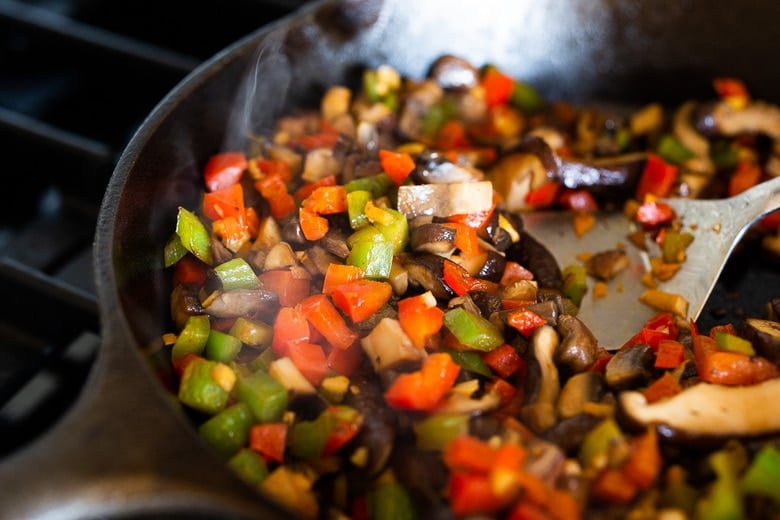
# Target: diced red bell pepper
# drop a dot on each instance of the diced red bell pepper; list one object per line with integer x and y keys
{"x": 327, "y": 200}
{"x": 290, "y": 289}
{"x": 327, "y": 137}
{"x": 461, "y": 282}
{"x": 397, "y": 165}
{"x": 269, "y": 440}
{"x": 224, "y": 202}
{"x": 466, "y": 239}
{"x": 345, "y": 361}
{"x": 669, "y": 354}
{"x": 544, "y": 196}
{"x": 420, "y": 317}
{"x": 644, "y": 462}
{"x": 347, "y": 424}
{"x": 466, "y": 453}
{"x": 313, "y": 226}
{"x": 654, "y": 213}
{"x": 309, "y": 359}
{"x": 232, "y": 231}
{"x": 323, "y": 316}
{"x": 498, "y": 87}
{"x": 745, "y": 176}
{"x": 452, "y": 135}
{"x": 525, "y": 321}
{"x": 514, "y": 272}
{"x": 338, "y": 274}
{"x": 611, "y": 485}
{"x": 663, "y": 387}
{"x": 274, "y": 167}
{"x": 732, "y": 90}
{"x": 189, "y": 270}
{"x": 730, "y": 368}
{"x": 224, "y": 169}
{"x": 578, "y": 199}
{"x": 290, "y": 326}
{"x": 361, "y": 299}
{"x": 274, "y": 191}
{"x": 505, "y": 390}
{"x": 425, "y": 388}
{"x": 658, "y": 178}
{"x": 504, "y": 360}
{"x": 472, "y": 494}
{"x": 308, "y": 188}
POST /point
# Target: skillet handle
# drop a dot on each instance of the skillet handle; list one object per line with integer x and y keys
{"x": 123, "y": 449}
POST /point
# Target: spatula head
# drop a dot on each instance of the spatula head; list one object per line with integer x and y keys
{"x": 619, "y": 315}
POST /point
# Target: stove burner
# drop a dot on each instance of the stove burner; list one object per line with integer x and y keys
{"x": 79, "y": 76}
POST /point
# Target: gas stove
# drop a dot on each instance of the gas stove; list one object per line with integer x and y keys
{"x": 79, "y": 76}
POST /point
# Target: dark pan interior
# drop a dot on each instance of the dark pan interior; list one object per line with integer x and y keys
{"x": 582, "y": 50}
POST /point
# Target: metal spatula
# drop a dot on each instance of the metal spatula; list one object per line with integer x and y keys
{"x": 717, "y": 226}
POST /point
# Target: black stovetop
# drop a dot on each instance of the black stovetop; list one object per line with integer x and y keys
{"x": 78, "y": 77}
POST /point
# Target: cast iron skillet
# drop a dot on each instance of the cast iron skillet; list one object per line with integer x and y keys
{"x": 125, "y": 450}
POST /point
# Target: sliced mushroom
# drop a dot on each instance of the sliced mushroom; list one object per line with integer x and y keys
{"x": 243, "y": 302}
{"x": 582, "y": 388}
{"x": 432, "y": 238}
{"x": 388, "y": 345}
{"x": 606, "y": 265}
{"x": 579, "y": 348}
{"x": 452, "y": 72}
{"x": 706, "y": 411}
{"x": 421, "y": 97}
{"x": 493, "y": 267}
{"x": 531, "y": 254}
{"x": 685, "y": 131}
{"x": 514, "y": 176}
{"x": 757, "y": 117}
{"x": 630, "y": 367}
{"x": 444, "y": 200}
{"x": 765, "y": 337}
{"x": 426, "y": 271}
{"x": 379, "y": 421}
{"x": 184, "y": 303}
{"x": 280, "y": 256}
{"x": 539, "y": 414}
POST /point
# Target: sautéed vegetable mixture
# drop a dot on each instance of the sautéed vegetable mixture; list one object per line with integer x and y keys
{"x": 363, "y": 329}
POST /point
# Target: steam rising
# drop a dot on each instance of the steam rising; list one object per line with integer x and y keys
{"x": 263, "y": 94}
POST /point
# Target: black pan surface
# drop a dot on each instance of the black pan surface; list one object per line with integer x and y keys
{"x": 125, "y": 450}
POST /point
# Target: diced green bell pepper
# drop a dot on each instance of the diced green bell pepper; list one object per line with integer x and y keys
{"x": 222, "y": 347}
{"x": 308, "y": 439}
{"x": 356, "y": 202}
{"x": 396, "y": 231}
{"x": 236, "y": 273}
{"x": 390, "y": 501}
{"x": 254, "y": 333}
{"x": 526, "y": 98}
{"x": 724, "y": 154}
{"x": 375, "y": 258}
{"x": 193, "y": 235}
{"x": 368, "y": 233}
{"x": 174, "y": 250}
{"x": 435, "y": 431}
{"x": 193, "y": 337}
{"x": 724, "y": 500}
{"x": 199, "y": 390}
{"x": 598, "y": 441}
{"x": 434, "y": 118}
{"x": 378, "y": 185}
{"x": 674, "y": 245}
{"x": 732, "y": 343}
{"x": 265, "y": 396}
{"x": 228, "y": 431}
{"x": 575, "y": 283}
{"x": 672, "y": 150}
{"x": 763, "y": 475}
{"x": 472, "y": 330}
{"x": 471, "y": 361}
{"x": 249, "y": 465}
{"x": 262, "y": 361}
